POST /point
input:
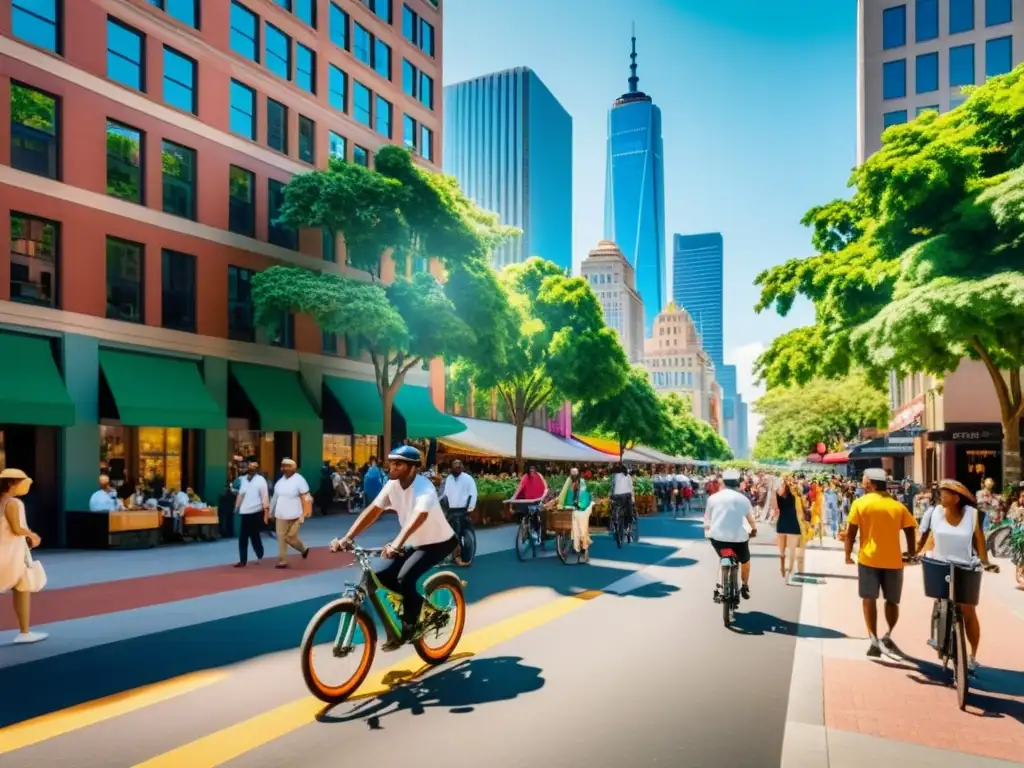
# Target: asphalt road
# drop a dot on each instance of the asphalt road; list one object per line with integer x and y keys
{"x": 620, "y": 662}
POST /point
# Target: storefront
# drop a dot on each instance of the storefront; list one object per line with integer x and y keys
{"x": 889, "y": 452}
{"x": 353, "y": 421}
{"x": 971, "y": 452}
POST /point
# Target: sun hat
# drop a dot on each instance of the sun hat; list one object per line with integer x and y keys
{"x": 877, "y": 474}
{"x": 13, "y": 474}
{"x": 955, "y": 486}
{"x": 288, "y": 462}
{"x": 406, "y": 453}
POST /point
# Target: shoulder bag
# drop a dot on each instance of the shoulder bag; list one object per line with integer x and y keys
{"x": 34, "y": 579}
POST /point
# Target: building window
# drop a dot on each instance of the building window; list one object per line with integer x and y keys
{"x": 305, "y": 68}
{"x": 926, "y": 78}
{"x": 284, "y": 335}
{"x": 382, "y": 58}
{"x": 417, "y": 31}
{"x": 410, "y": 78}
{"x": 362, "y": 45}
{"x": 178, "y": 291}
{"x": 184, "y": 11}
{"x": 336, "y": 145}
{"x": 38, "y": 22}
{"x": 245, "y": 32}
{"x": 124, "y": 162}
{"x": 124, "y": 280}
{"x": 240, "y": 308}
{"x": 329, "y": 343}
{"x": 278, "y": 233}
{"x": 426, "y": 94}
{"x": 278, "y": 52}
{"x": 961, "y": 16}
{"x": 410, "y": 136}
{"x": 125, "y": 55}
{"x": 382, "y": 8}
{"x": 286, "y": 4}
{"x": 426, "y": 143}
{"x": 961, "y": 65}
{"x": 307, "y": 139}
{"x": 426, "y": 41}
{"x": 894, "y": 118}
{"x": 929, "y": 108}
{"x": 339, "y": 27}
{"x": 337, "y": 88}
{"x": 894, "y": 79}
{"x": 241, "y": 201}
{"x": 998, "y": 56}
{"x": 34, "y": 248}
{"x": 328, "y": 251}
{"x": 243, "y": 110}
{"x": 277, "y": 126}
{"x": 996, "y": 12}
{"x": 926, "y": 20}
{"x": 179, "y": 171}
{"x": 360, "y": 155}
{"x": 179, "y": 80}
{"x": 35, "y": 131}
{"x": 384, "y": 117}
{"x": 361, "y": 100}
{"x": 894, "y": 27}
{"x": 306, "y": 11}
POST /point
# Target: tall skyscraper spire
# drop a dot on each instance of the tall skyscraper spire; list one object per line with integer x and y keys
{"x": 633, "y": 79}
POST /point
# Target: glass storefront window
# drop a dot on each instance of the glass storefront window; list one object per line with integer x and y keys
{"x": 243, "y": 444}
{"x": 149, "y": 455}
{"x": 365, "y": 446}
{"x": 337, "y": 450}
{"x": 160, "y": 455}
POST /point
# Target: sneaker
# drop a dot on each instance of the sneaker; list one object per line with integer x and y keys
{"x": 745, "y": 592}
{"x": 26, "y": 638}
{"x": 891, "y": 649}
{"x": 305, "y": 554}
{"x": 875, "y": 649}
{"x": 972, "y": 665}
{"x": 238, "y": 565}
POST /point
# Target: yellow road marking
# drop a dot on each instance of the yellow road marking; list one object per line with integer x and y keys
{"x": 55, "y": 724}
{"x": 234, "y": 741}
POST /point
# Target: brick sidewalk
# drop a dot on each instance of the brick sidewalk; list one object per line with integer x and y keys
{"x": 911, "y": 702}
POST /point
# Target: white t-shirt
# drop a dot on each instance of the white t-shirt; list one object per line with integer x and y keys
{"x": 460, "y": 491}
{"x": 409, "y": 502}
{"x": 954, "y": 542}
{"x": 288, "y": 493}
{"x": 254, "y": 494}
{"x": 621, "y": 484}
{"x": 726, "y": 513}
{"x": 104, "y": 501}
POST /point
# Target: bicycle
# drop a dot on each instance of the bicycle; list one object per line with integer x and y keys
{"x": 727, "y": 592}
{"x": 356, "y": 624}
{"x": 998, "y": 539}
{"x": 617, "y": 528}
{"x": 530, "y": 531}
{"x": 465, "y": 532}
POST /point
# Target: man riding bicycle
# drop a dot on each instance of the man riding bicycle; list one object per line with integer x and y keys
{"x": 423, "y": 526}
{"x": 724, "y": 518}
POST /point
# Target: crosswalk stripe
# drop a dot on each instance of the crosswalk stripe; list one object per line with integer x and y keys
{"x": 229, "y": 743}
{"x": 46, "y": 727}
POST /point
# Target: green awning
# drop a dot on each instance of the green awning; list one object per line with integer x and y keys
{"x": 32, "y": 390}
{"x": 422, "y": 419}
{"x": 159, "y": 391}
{"x": 277, "y": 395}
{"x": 360, "y": 401}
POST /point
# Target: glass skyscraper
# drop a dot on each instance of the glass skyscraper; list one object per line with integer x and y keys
{"x": 697, "y": 265}
{"x": 634, "y": 200}
{"x": 508, "y": 141}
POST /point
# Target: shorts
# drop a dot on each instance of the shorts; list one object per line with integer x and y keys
{"x": 871, "y": 580}
{"x": 741, "y": 548}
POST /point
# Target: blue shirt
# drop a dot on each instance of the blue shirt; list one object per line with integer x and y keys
{"x": 373, "y": 482}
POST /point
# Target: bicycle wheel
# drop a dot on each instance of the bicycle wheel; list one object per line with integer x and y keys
{"x": 960, "y": 661}
{"x": 446, "y": 611}
{"x": 998, "y": 541}
{"x": 466, "y": 550}
{"x": 616, "y": 523}
{"x": 564, "y": 548}
{"x": 727, "y": 596}
{"x": 634, "y": 529}
{"x": 325, "y": 631}
{"x": 523, "y": 539}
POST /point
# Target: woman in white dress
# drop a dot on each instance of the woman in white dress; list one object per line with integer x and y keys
{"x": 15, "y": 540}
{"x": 955, "y": 530}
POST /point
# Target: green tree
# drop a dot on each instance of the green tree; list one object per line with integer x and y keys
{"x": 796, "y": 418}
{"x": 690, "y": 437}
{"x": 924, "y": 265}
{"x": 401, "y": 210}
{"x": 556, "y": 345}
{"x": 633, "y": 416}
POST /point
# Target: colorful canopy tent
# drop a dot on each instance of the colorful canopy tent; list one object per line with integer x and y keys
{"x": 494, "y": 438}
{"x": 611, "y": 447}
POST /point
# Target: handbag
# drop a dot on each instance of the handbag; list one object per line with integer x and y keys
{"x": 35, "y": 575}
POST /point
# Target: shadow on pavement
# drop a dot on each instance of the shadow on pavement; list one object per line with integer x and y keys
{"x": 758, "y": 623}
{"x": 827, "y": 576}
{"x": 460, "y": 689}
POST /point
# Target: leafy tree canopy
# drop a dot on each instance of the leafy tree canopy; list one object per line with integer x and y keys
{"x": 688, "y": 436}
{"x": 633, "y": 416}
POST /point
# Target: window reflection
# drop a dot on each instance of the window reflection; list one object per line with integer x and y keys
{"x": 37, "y": 22}
{"x": 242, "y": 202}
{"x": 34, "y": 244}
{"x": 179, "y": 180}
{"x": 124, "y": 162}
{"x": 125, "y": 57}
{"x": 34, "y": 131}
{"x": 124, "y": 280}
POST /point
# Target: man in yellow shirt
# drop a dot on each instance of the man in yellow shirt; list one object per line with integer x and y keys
{"x": 879, "y": 518}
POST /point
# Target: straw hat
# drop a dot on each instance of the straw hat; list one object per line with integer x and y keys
{"x": 954, "y": 486}
{"x": 20, "y": 488}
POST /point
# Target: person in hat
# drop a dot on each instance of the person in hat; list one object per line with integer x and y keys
{"x": 290, "y": 506}
{"x": 879, "y": 518}
{"x": 726, "y": 518}
{"x": 424, "y": 527}
{"x": 956, "y": 531}
{"x": 15, "y": 539}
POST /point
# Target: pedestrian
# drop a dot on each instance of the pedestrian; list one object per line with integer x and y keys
{"x": 787, "y": 526}
{"x": 252, "y": 503}
{"x": 18, "y": 572}
{"x": 878, "y": 518}
{"x": 290, "y": 506}
{"x": 373, "y": 481}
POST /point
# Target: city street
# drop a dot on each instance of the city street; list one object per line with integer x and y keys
{"x": 622, "y": 661}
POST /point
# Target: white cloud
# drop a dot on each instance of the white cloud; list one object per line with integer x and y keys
{"x": 743, "y": 358}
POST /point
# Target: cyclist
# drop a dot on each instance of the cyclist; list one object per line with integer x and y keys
{"x": 423, "y": 526}
{"x": 724, "y": 518}
{"x": 533, "y": 489}
{"x": 622, "y": 493}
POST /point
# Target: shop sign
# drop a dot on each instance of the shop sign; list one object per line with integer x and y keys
{"x": 908, "y": 414}
{"x": 968, "y": 433}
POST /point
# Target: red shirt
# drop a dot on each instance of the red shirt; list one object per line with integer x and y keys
{"x": 533, "y": 487}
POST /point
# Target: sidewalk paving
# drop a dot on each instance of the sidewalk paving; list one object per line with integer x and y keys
{"x": 906, "y": 712}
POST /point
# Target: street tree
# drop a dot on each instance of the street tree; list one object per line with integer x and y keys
{"x": 832, "y": 411}
{"x": 396, "y": 211}
{"x": 689, "y": 436}
{"x": 924, "y": 265}
{"x": 556, "y": 345}
{"x": 633, "y": 416}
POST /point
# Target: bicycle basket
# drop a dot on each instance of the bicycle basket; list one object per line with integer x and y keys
{"x": 967, "y": 582}
{"x": 559, "y": 521}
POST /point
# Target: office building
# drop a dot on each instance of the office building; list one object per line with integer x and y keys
{"x": 697, "y": 266}
{"x": 612, "y": 279}
{"x": 677, "y": 362}
{"x": 142, "y": 172}
{"x": 917, "y": 55}
{"x": 509, "y": 143}
{"x": 634, "y": 200}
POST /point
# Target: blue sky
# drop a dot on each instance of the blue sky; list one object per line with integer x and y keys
{"x": 759, "y": 109}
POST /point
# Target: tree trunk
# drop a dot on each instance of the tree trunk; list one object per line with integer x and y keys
{"x": 387, "y": 399}
{"x": 520, "y": 464}
{"x": 1011, "y": 449}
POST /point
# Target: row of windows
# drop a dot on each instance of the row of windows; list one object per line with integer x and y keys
{"x": 959, "y": 17}
{"x": 998, "y": 61}
{"x": 126, "y": 64}
{"x": 662, "y": 380}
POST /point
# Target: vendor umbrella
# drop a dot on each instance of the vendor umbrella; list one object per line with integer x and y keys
{"x": 836, "y": 458}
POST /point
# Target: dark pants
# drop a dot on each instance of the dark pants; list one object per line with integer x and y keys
{"x": 401, "y": 574}
{"x": 249, "y": 527}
